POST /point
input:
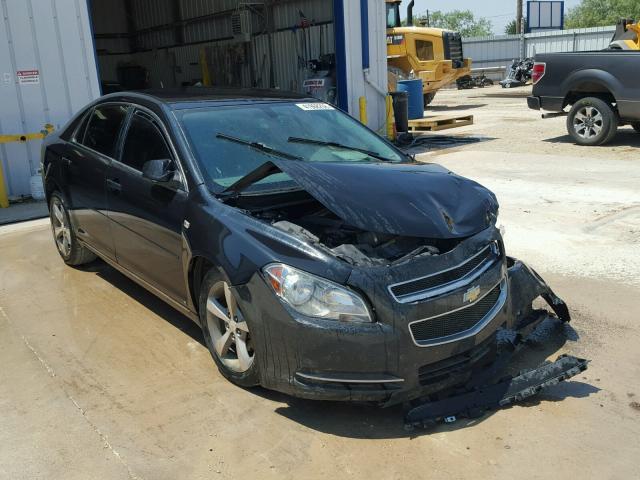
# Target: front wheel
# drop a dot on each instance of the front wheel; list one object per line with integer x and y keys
{"x": 226, "y": 332}
{"x": 592, "y": 121}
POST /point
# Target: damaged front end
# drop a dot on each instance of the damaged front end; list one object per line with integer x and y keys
{"x": 488, "y": 388}
{"x": 422, "y": 250}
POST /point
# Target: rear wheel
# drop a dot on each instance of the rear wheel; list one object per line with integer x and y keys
{"x": 69, "y": 248}
{"x": 592, "y": 121}
{"x": 226, "y": 332}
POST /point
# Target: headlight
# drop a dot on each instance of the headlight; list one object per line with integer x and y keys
{"x": 315, "y": 296}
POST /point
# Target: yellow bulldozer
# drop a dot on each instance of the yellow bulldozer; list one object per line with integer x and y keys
{"x": 433, "y": 55}
{"x": 627, "y": 36}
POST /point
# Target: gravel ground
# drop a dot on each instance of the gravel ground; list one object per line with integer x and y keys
{"x": 99, "y": 379}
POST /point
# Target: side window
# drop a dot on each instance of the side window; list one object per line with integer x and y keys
{"x": 424, "y": 50}
{"x": 103, "y": 129}
{"x": 78, "y": 134}
{"x": 143, "y": 142}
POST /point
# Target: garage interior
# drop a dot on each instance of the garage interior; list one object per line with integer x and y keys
{"x": 229, "y": 43}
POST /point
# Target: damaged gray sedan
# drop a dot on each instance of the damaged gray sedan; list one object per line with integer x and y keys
{"x": 319, "y": 260}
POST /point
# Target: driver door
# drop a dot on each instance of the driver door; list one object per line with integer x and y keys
{"x": 147, "y": 216}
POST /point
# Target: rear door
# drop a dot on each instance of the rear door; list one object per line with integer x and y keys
{"x": 84, "y": 168}
{"x": 146, "y": 216}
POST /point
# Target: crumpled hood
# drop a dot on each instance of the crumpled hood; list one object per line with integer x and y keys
{"x": 418, "y": 200}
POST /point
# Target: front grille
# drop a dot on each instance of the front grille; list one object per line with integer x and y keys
{"x": 420, "y": 285}
{"x": 453, "y": 49}
{"x": 455, "y": 322}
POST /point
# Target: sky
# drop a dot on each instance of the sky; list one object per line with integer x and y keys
{"x": 499, "y": 12}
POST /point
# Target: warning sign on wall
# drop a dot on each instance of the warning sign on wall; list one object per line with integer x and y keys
{"x": 28, "y": 77}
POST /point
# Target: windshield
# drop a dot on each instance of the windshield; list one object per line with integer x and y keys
{"x": 231, "y": 141}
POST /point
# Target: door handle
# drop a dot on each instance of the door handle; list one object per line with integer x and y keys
{"x": 66, "y": 162}
{"x": 113, "y": 185}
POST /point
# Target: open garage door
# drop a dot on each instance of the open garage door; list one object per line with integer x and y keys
{"x": 283, "y": 44}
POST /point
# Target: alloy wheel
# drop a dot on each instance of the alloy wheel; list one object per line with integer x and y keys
{"x": 228, "y": 329}
{"x": 61, "y": 227}
{"x": 588, "y": 122}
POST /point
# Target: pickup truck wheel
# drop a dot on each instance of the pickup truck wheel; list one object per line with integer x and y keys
{"x": 227, "y": 332}
{"x": 592, "y": 121}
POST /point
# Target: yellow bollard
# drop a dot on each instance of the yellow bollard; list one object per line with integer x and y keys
{"x": 4, "y": 199}
{"x": 204, "y": 66}
{"x": 363, "y": 110}
{"x": 19, "y": 138}
{"x": 391, "y": 121}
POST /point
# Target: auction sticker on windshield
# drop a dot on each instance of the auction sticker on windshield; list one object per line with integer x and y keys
{"x": 314, "y": 106}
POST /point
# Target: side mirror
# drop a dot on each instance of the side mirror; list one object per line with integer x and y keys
{"x": 160, "y": 171}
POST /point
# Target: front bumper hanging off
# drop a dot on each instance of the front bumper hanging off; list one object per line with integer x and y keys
{"x": 483, "y": 392}
{"x": 475, "y": 402}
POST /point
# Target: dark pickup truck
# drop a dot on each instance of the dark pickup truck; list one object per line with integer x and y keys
{"x": 602, "y": 89}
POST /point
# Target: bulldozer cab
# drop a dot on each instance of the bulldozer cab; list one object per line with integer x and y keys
{"x": 393, "y": 14}
{"x": 432, "y": 55}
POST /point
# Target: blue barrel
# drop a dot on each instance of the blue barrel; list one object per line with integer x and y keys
{"x": 416, "y": 101}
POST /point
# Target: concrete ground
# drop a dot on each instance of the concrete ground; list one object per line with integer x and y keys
{"x": 99, "y": 379}
{"x": 22, "y": 211}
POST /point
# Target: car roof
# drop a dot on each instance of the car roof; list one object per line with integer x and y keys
{"x": 193, "y": 97}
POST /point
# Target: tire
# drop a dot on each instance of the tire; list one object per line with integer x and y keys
{"x": 64, "y": 235}
{"x": 427, "y": 98}
{"x": 636, "y": 126}
{"x": 592, "y": 121}
{"x": 236, "y": 357}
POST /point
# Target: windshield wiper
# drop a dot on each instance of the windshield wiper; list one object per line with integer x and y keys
{"x": 311, "y": 141}
{"x": 261, "y": 147}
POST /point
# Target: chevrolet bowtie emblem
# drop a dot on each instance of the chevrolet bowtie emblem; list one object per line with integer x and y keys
{"x": 472, "y": 294}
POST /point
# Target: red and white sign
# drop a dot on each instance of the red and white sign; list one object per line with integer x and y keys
{"x": 28, "y": 77}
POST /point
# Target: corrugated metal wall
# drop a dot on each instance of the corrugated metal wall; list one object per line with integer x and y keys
{"x": 54, "y": 38}
{"x": 206, "y": 24}
{"x": 500, "y": 50}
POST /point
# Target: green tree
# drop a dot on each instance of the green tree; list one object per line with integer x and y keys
{"x": 598, "y": 13}
{"x": 462, "y": 21}
{"x": 511, "y": 28}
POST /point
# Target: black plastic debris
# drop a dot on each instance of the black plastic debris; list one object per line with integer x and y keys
{"x": 507, "y": 391}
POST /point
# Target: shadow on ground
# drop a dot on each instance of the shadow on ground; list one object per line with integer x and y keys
{"x": 448, "y": 108}
{"x": 430, "y": 142}
{"x": 626, "y": 137}
{"x": 507, "y": 93}
{"x": 147, "y": 299}
{"x": 353, "y": 420}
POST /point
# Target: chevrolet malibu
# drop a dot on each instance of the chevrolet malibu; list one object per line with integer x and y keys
{"x": 319, "y": 260}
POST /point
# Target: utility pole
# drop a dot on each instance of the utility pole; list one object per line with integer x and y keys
{"x": 519, "y": 17}
{"x": 520, "y": 30}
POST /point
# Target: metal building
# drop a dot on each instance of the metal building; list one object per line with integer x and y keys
{"x": 58, "y": 55}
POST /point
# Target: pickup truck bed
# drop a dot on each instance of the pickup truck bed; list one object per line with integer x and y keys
{"x": 572, "y": 79}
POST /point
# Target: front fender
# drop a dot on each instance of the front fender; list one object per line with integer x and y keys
{"x": 525, "y": 285}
